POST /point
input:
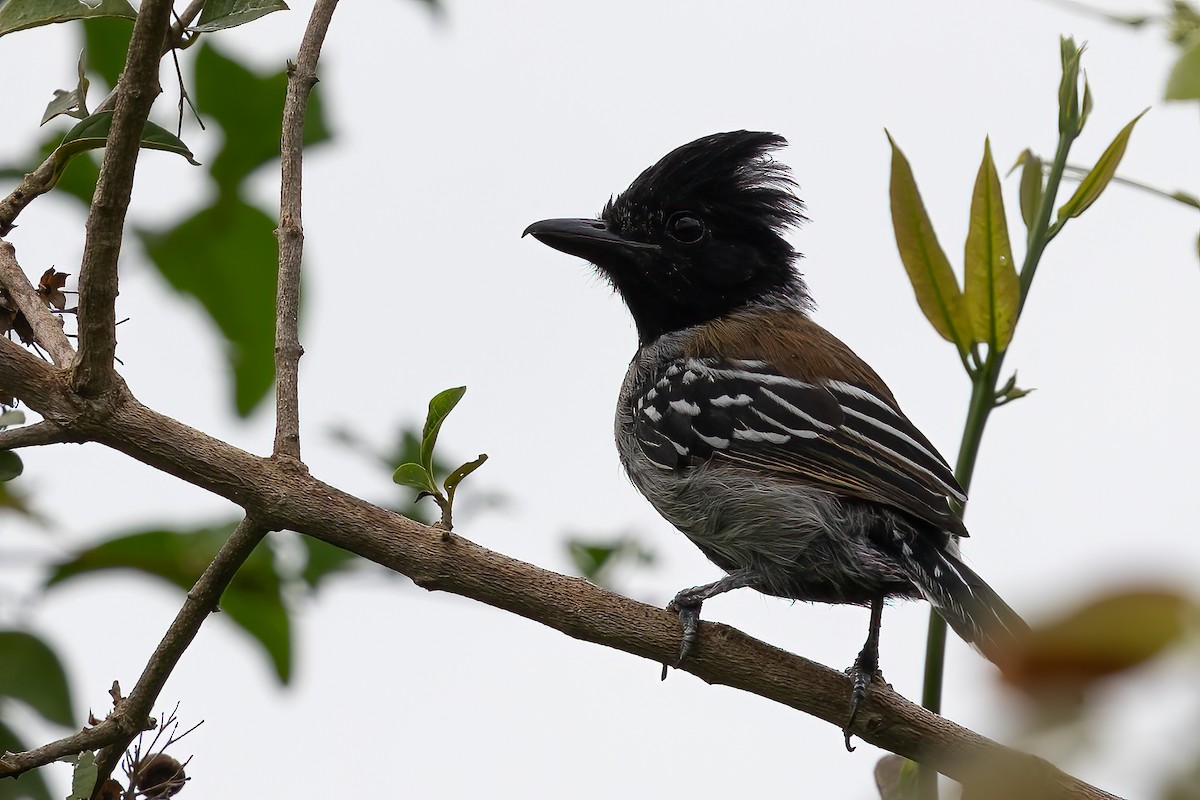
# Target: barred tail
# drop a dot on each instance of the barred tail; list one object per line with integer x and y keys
{"x": 967, "y": 603}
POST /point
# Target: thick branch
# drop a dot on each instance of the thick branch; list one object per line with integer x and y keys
{"x": 302, "y": 76}
{"x": 47, "y": 328}
{"x": 41, "y": 180}
{"x": 280, "y": 497}
{"x": 136, "y": 91}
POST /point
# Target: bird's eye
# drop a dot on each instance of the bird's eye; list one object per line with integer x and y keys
{"x": 685, "y": 227}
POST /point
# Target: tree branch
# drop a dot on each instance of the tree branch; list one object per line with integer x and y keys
{"x": 201, "y": 601}
{"x": 41, "y": 180}
{"x": 136, "y": 91}
{"x": 33, "y": 435}
{"x": 302, "y": 76}
{"x": 280, "y": 497}
{"x": 47, "y": 328}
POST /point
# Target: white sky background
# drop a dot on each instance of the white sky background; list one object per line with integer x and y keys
{"x": 451, "y": 138}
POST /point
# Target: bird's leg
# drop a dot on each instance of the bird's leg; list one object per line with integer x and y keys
{"x": 865, "y": 666}
{"x": 688, "y": 602}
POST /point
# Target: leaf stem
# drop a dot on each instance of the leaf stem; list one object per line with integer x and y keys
{"x": 984, "y": 381}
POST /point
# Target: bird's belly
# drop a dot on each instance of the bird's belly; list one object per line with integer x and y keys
{"x": 802, "y": 542}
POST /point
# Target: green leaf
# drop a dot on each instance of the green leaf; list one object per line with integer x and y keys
{"x": 414, "y": 476}
{"x": 254, "y": 599}
{"x": 92, "y": 133}
{"x": 456, "y": 477}
{"x": 83, "y": 778}
{"x": 226, "y": 257}
{"x": 31, "y": 672}
{"x": 1032, "y": 186}
{"x": 17, "y": 15}
{"x": 1098, "y": 178}
{"x": 1184, "y": 81}
{"x": 220, "y": 14}
{"x": 27, "y": 786}
{"x": 928, "y": 268}
{"x": 10, "y": 465}
{"x": 440, "y": 407}
{"x": 72, "y": 103}
{"x": 249, "y": 109}
{"x": 991, "y": 290}
{"x": 106, "y": 42}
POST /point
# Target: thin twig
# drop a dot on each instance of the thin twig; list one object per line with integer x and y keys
{"x": 136, "y": 91}
{"x": 302, "y": 76}
{"x": 47, "y": 328}
{"x": 34, "y": 435}
{"x": 201, "y": 601}
{"x": 40, "y": 181}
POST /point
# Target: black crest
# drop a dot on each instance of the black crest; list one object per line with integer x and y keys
{"x": 729, "y": 178}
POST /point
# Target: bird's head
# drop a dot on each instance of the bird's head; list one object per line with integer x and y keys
{"x": 698, "y": 235}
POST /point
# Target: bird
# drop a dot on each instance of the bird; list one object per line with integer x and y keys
{"x": 768, "y": 442}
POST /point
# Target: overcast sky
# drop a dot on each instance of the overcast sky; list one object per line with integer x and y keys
{"x": 452, "y": 136}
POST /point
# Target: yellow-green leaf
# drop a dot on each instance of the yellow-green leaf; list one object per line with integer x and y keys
{"x": 928, "y": 269}
{"x": 1032, "y": 186}
{"x": 991, "y": 290}
{"x": 1100, "y": 175}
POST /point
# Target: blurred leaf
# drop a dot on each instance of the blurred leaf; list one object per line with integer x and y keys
{"x": 991, "y": 290}
{"x": 440, "y": 407}
{"x": 1032, "y": 186}
{"x": 928, "y": 268}
{"x": 253, "y": 600}
{"x": 28, "y": 786}
{"x": 1098, "y": 178}
{"x": 323, "y": 560}
{"x": 1184, "y": 81}
{"x": 17, "y": 15}
{"x": 31, "y": 672}
{"x": 10, "y": 465}
{"x": 106, "y": 42}
{"x": 83, "y": 777}
{"x": 72, "y": 103}
{"x": 249, "y": 109}
{"x": 226, "y": 257}
{"x": 1107, "y": 635}
{"x": 414, "y": 476}
{"x": 597, "y": 559}
{"x": 896, "y": 778}
{"x": 220, "y": 14}
{"x": 456, "y": 477}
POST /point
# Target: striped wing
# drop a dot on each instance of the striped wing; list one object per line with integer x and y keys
{"x": 834, "y": 435}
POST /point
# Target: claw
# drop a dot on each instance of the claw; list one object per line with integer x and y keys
{"x": 688, "y": 609}
{"x": 862, "y": 682}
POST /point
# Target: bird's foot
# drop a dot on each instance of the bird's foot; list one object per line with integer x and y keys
{"x": 687, "y": 605}
{"x": 862, "y": 673}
